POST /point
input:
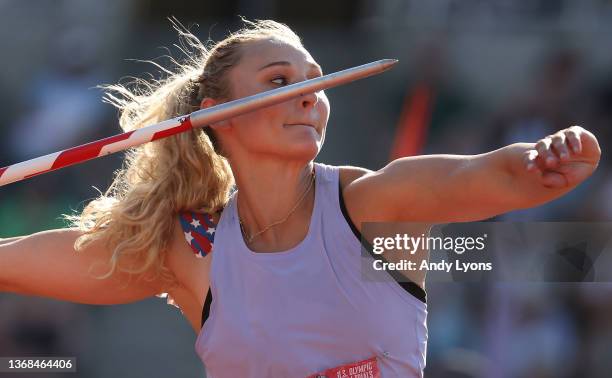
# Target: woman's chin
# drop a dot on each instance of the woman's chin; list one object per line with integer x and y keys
{"x": 306, "y": 150}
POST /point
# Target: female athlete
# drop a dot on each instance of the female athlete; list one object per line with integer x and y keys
{"x": 268, "y": 274}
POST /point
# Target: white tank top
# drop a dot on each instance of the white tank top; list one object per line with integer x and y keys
{"x": 307, "y": 309}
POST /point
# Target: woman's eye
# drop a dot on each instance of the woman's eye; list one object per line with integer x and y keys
{"x": 279, "y": 80}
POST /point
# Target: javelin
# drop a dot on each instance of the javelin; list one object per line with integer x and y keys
{"x": 199, "y": 118}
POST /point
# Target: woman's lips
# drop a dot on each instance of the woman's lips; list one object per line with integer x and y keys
{"x": 300, "y": 124}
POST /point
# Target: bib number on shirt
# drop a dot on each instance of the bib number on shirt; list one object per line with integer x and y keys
{"x": 361, "y": 369}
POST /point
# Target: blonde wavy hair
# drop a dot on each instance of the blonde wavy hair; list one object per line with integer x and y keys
{"x": 135, "y": 217}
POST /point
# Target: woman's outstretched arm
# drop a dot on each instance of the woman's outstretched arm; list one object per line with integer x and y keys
{"x": 45, "y": 264}
{"x": 462, "y": 188}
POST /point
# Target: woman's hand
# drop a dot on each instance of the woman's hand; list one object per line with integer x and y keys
{"x": 563, "y": 159}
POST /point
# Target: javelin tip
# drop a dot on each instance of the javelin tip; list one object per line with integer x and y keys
{"x": 388, "y": 63}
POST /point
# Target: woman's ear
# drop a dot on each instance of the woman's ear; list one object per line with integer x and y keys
{"x": 209, "y": 102}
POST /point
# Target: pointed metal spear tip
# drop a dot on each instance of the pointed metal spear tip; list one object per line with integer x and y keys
{"x": 388, "y": 63}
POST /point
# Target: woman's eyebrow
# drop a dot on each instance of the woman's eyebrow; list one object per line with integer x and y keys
{"x": 285, "y": 63}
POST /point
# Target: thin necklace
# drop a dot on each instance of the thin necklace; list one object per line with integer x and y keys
{"x": 251, "y": 237}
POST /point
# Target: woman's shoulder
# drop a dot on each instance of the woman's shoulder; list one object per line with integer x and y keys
{"x": 191, "y": 272}
{"x": 348, "y": 173}
{"x": 199, "y": 230}
{"x": 189, "y": 229}
{"x": 190, "y": 249}
{"x": 359, "y": 194}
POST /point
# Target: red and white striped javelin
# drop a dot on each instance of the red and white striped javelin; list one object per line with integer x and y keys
{"x": 200, "y": 118}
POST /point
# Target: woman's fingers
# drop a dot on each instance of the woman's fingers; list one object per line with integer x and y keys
{"x": 530, "y": 160}
{"x": 534, "y": 163}
{"x": 550, "y": 156}
{"x": 545, "y": 152}
{"x": 559, "y": 146}
{"x": 550, "y": 151}
{"x": 573, "y": 138}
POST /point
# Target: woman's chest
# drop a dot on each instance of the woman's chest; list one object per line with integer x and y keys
{"x": 318, "y": 325}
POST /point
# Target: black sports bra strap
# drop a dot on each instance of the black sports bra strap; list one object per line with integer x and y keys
{"x": 206, "y": 309}
{"x": 411, "y": 287}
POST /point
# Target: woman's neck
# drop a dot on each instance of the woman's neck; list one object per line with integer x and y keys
{"x": 274, "y": 193}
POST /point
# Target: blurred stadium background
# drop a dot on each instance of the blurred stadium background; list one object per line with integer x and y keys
{"x": 474, "y": 75}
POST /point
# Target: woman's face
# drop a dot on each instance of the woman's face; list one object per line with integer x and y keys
{"x": 294, "y": 129}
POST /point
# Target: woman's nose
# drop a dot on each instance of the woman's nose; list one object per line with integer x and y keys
{"x": 309, "y": 99}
